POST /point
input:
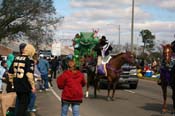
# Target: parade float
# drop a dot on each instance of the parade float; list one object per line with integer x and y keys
{"x": 83, "y": 43}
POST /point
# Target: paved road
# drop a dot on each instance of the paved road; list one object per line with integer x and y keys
{"x": 144, "y": 101}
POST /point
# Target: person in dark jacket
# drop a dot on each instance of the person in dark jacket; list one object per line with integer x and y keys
{"x": 71, "y": 81}
{"x": 21, "y": 75}
{"x": 54, "y": 67}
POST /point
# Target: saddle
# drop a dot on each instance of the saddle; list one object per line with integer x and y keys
{"x": 106, "y": 59}
{"x": 101, "y": 69}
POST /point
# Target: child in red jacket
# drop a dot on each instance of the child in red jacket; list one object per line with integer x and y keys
{"x": 71, "y": 81}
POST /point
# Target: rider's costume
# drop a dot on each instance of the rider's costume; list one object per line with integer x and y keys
{"x": 102, "y": 50}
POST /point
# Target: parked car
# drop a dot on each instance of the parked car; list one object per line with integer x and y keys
{"x": 127, "y": 76}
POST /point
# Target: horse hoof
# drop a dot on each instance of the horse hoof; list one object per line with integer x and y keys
{"x": 173, "y": 113}
{"x": 112, "y": 99}
{"x": 108, "y": 99}
{"x": 163, "y": 111}
{"x": 85, "y": 97}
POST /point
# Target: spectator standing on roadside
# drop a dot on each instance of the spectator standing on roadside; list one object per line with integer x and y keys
{"x": 43, "y": 67}
{"x": 10, "y": 59}
{"x": 54, "y": 67}
{"x": 1, "y": 73}
{"x": 4, "y": 76}
{"x": 71, "y": 81}
{"x": 31, "y": 106}
{"x": 21, "y": 75}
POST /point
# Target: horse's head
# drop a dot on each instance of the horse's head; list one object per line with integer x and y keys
{"x": 129, "y": 57}
{"x": 167, "y": 52}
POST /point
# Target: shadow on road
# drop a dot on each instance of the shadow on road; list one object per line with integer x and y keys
{"x": 156, "y": 107}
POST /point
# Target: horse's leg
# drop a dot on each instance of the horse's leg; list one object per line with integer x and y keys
{"x": 173, "y": 87}
{"x": 113, "y": 92}
{"x": 164, "y": 90}
{"x": 87, "y": 86}
{"x": 87, "y": 90}
{"x": 173, "y": 98}
{"x": 95, "y": 86}
{"x": 109, "y": 89}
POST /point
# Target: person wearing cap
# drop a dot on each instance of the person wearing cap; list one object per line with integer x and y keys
{"x": 43, "y": 67}
{"x": 21, "y": 75}
{"x": 71, "y": 81}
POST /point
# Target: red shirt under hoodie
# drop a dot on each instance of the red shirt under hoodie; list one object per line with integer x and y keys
{"x": 71, "y": 83}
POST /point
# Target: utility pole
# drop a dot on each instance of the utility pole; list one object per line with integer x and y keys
{"x": 132, "y": 26}
{"x": 119, "y": 34}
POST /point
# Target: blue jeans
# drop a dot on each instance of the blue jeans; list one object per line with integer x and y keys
{"x": 65, "y": 108}
{"x": 32, "y": 101}
{"x": 45, "y": 79}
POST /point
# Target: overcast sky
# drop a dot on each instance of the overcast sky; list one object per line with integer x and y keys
{"x": 106, "y": 15}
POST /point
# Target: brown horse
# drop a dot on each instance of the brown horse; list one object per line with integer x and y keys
{"x": 167, "y": 76}
{"x": 113, "y": 70}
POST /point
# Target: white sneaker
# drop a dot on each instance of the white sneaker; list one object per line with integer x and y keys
{"x": 49, "y": 85}
{"x": 32, "y": 110}
{"x": 40, "y": 90}
{"x": 46, "y": 89}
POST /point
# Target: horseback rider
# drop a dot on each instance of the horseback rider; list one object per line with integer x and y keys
{"x": 168, "y": 63}
{"x": 102, "y": 49}
{"x": 173, "y": 62}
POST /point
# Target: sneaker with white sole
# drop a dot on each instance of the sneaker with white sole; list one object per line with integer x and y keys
{"x": 32, "y": 110}
{"x": 46, "y": 89}
{"x": 40, "y": 90}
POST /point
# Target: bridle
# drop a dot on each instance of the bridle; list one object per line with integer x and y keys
{"x": 167, "y": 52}
{"x": 128, "y": 57}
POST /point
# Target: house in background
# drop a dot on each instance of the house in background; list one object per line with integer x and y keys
{"x": 4, "y": 51}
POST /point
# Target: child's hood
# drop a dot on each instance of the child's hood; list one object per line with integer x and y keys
{"x": 74, "y": 75}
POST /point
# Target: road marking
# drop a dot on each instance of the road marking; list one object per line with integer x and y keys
{"x": 59, "y": 98}
{"x": 129, "y": 91}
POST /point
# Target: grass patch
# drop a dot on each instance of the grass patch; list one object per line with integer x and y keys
{"x": 150, "y": 78}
